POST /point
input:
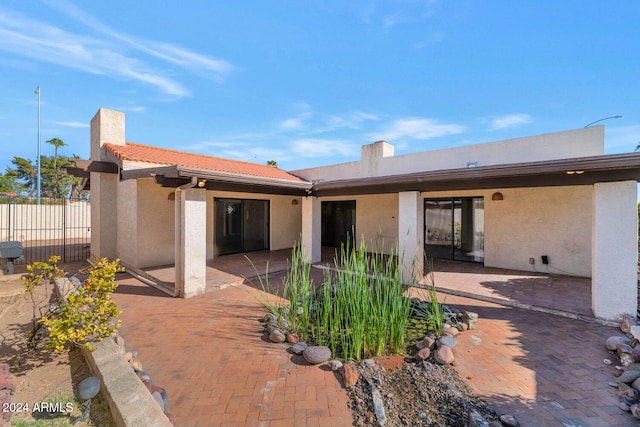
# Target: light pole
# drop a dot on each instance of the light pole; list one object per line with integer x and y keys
{"x": 37, "y": 92}
{"x": 606, "y": 118}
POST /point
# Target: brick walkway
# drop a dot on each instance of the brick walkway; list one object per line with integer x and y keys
{"x": 210, "y": 355}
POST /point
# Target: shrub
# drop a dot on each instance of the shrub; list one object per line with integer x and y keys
{"x": 88, "y": 313}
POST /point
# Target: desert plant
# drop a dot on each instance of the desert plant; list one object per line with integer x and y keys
{"x": 88, "y": 314}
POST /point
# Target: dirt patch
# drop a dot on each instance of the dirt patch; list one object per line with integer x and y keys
{"x": 45, "y": 380}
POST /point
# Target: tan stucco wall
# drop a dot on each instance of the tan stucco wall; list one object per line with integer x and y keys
{"x": 560, "y": 145}
{"x": 127, "y": 233}
{"x": 156, "y": 224}
{"x": 531, "y": 222}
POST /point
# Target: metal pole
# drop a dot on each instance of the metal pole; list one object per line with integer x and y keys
{"x": 38, "y": 159}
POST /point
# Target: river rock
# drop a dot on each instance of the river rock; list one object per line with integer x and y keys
{"x": 428, "y": 342}
{"x": 423, "y": 354}
{"x": 335, "y": 364}
{"x": 449, "y": 341}
{"x": 444, "y": 355}
{"x": 451, "y": 330}
{"x": 293, "y": 338}
{"x": 299, "y": 347}
{"x": 317, "y": 354}
{"x": 135, "y": 364}
{"x": 470, "y": 318}
{"x": 615, "y": 340}
{"x": 627, "y": 322}
{"x": 277, "y": 336}
{"x": 628, "y": 377}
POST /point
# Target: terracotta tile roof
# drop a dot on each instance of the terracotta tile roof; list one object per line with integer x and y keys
{"x": 163, "y": 156}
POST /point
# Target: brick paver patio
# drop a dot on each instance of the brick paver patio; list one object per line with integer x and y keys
{"x": 208, "y": 352}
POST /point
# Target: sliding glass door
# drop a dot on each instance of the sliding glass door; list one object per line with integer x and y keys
{"x": 241, "y": 225}
{"x": 454, "y": 228}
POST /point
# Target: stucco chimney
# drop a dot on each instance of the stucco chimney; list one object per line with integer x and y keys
{"x": 107, "y": 126}
{"x": 376, "y": 151}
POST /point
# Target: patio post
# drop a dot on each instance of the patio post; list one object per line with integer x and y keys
{"x": 311, "y": 229}
{"x": 190, "y": 241}
{"x": 614, "y": 277}
{"x": 410, "y": 233}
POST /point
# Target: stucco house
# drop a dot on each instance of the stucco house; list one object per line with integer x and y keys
{"x": 549, "y": 203}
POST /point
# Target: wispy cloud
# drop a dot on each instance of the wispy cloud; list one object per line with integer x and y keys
{"x": 72, "y": 124}
{"x": 352, "y": 120}
{"x": 110, "y": 56}
{"x": 315, "y": 147}
{"x": 504, "y": 122}
{"x": 621, "y": 139}
{"x": 417, "y": 128}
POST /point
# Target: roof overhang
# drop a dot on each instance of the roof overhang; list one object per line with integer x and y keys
{"x": 178, "y": 176}
{"x": 563, "y": 172}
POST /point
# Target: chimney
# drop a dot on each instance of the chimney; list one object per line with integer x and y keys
{"x": 107, "y": 126}
{"x": 376, "y": 151}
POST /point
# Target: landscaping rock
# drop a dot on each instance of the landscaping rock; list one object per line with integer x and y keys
{"x": 509, "y": 421}
{"x": 628, "y": 377}
{"x": 449, "y": 341}
{"x": 136, "y": 364}
{"x": 444, "y": 355}
{"x": 335, "y": 364}
{"x": 470, "y": 318}
{"x": 299, "y": 347}
{"x": 615, "y": 340}
{"x": 627, "y": 322}
{"x": 277, "y": 336}
{"x": 451, "y": 330}
{"x": 293, "y": 338}
{"x": 423, "y": 354}
{"x": 349, "y": 374}
{"x": 317, "y": 354}
{"x": 428, "y": 342}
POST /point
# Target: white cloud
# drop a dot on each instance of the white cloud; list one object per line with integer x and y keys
{"x": 621, "y": 139}
{"x": 109, "y": 56}
{"x": 290, "y": 124}
{"x": 510, "y": 120}
{"x": 316, "y": 147}
{"x": 417, "y": 128}
{"x": 352, "y": 120}
{"x": 73, "y": 124}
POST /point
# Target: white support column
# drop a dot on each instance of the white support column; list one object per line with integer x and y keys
{"x": 190, "y": 242}
{"x": 614, "y": 279}
{"x": 410, "y": 233}
{"x": 311, "y": 229}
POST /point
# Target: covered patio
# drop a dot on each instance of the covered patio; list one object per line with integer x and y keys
{"x": 555, "y": 294}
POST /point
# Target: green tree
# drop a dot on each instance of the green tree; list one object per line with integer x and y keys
{"x": 9, "y": 183}
{"x": 272, "y": 163}
{"x": 54, "y": 180}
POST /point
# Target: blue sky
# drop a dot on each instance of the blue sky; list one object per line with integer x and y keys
{"x": 306, "y": 83}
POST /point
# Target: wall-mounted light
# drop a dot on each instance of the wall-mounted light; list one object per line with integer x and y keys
{"x": 294, "y": 202}
{"x": 171, "y": 196}
{"x": 497, "y": 196}
{"x": 201, "y": 182}
{"x": 575, "y": 172}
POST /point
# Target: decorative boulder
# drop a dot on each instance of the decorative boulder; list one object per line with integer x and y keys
{"x": 627, "y": 322}
{"x": 444, "y": 355}
{"x": 449, "y": 341}
{"x": 451, "y": 330}
{"x": 299, "y": 347}
{"x": 612, "y": 342}
{"x": 277, "y": 336}
{"x": 428, "y": 342}
{"x": 316, "y": 354}
{"x": 423, "y": 354}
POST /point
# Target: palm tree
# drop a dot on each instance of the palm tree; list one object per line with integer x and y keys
{"x": 57, "y": 143}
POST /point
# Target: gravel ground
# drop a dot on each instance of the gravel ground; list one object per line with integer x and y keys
{"x": 415, "y": 394}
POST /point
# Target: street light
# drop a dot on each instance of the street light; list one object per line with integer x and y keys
{"x": 606, "y": 118}
{"x": 37, "y": 92}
